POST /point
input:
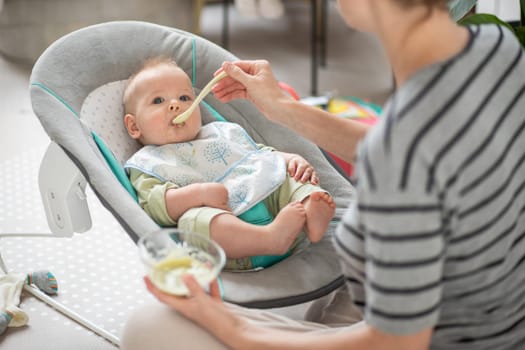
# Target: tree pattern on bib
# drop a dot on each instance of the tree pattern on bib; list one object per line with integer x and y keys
{"x": 217, "y": 152}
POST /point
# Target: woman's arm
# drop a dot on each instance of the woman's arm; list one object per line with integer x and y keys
{"x": 361, "y": 337}
{"x": 334, "y": 134}
{"x": 254, "y": 80}
{"x": 209, "y": 312}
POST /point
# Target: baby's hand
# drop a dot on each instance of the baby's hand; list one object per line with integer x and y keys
{"x": 301, "y": 170}
{"x": 215, "y": 195}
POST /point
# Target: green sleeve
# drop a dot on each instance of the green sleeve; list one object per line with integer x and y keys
{"x": 264, "y": 147}
{"x": 151, "y": 192}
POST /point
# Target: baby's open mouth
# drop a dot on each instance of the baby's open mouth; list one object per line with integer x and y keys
{"x": 179, "y": 125}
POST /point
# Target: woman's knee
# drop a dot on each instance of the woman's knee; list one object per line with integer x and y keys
{"x": 156, "y": 326}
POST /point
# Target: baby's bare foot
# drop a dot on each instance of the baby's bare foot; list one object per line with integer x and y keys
{"x": 287, "y": 225}
{"x": 320, "y": 209}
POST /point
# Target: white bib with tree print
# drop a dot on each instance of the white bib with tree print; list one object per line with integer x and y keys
{"x": 222, "y": 152}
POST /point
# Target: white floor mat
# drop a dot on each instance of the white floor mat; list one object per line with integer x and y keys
{"x": 98, "y": 272}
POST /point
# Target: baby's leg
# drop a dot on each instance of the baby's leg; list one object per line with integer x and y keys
{"x": 320, "y": 209}
{"x": 240, "y": 239}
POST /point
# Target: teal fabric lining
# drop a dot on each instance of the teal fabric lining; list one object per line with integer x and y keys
{"x": 257, "y": 215}
{"x": 55, "y": 95}
{"x": 267, "y": 260}
{"x": 215, "y": 114}
{"x": 193, "y": 61}
{"x": 115, "y": 166}
{"x": 260, "y": 215}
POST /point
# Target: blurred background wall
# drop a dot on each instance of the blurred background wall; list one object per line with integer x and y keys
{"x": 27, "y": 27}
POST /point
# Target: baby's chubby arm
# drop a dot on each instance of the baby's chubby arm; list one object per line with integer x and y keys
{"x": 299, "y": 168}
{"x": 207, "y": 194}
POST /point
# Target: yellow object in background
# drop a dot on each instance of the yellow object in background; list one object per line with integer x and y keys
{"x": 350, "y": 108}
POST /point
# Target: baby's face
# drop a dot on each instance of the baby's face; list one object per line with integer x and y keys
{"x": 160, "y": 94}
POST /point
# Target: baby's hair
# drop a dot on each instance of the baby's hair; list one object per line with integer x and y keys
{"x": 148, "y": 63}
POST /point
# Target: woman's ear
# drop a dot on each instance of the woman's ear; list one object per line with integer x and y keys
{"x": 131, "y": 126}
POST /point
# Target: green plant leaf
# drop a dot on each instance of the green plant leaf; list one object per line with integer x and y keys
{"x": 484, "y": 18}
{"x": 522, "y": 11}
{"x": 459, "y": 8}
{"x": 520, "y": 33}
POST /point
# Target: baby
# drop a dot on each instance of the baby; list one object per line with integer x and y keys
{"x": 205, "y": 178}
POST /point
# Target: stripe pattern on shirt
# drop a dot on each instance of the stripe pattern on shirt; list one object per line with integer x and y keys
{"x": 436, "y": 238}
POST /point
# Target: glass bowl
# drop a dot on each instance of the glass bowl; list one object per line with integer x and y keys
{"x": 168, "y": 254}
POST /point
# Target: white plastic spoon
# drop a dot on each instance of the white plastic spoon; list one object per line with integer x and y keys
{"x": 181, "y": 118}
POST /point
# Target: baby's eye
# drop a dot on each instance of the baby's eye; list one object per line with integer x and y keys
{"x": 185, "y": 98}
{"x": 158, "y": 100}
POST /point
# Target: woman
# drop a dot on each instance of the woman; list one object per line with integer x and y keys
{"x": 433, "y": 246}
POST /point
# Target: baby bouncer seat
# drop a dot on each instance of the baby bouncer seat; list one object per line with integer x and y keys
{"x": 76, "y": 90}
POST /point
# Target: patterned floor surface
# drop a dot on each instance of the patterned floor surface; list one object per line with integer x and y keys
{"x": 98, "y": 272}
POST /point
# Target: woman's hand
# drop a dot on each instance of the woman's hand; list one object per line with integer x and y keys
{"x": 207, "y": 310}
{"x": 300, "y": 169}
{"x": 252, "y": 80}
{"x": 188, "y": 306}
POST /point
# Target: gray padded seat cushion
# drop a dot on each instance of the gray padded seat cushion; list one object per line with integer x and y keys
{"x": 108, "y": 53}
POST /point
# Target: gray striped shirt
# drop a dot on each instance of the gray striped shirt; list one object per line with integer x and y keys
{"x": 436, "y": 237}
